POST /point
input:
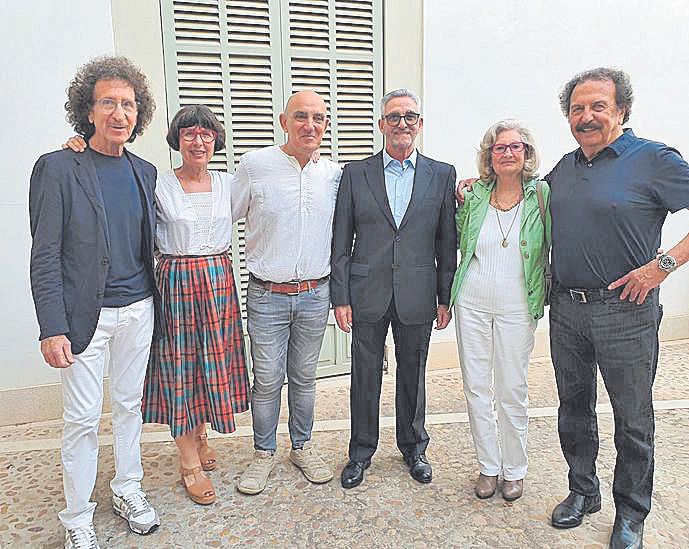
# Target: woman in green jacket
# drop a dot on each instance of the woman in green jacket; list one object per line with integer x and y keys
{"x": 499, "y": 294}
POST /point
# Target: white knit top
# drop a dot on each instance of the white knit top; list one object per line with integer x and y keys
{"x": 494, "y": 281}
{"x": 193, "y": 223}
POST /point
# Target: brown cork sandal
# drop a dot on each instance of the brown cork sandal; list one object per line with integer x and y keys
{"x": 198, "y": 486}
{"x": 207, "y": 455}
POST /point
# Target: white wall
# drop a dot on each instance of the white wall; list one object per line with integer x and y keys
{"x": 41, "y": 45}
{"x": 484, "y": 61}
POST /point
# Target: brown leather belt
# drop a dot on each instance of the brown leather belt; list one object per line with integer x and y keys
{"x": 290, "y": 288}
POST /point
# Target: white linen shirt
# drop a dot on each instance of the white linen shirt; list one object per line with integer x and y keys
{"x": 178, "y": 229}
{"x": 289, "y": 214}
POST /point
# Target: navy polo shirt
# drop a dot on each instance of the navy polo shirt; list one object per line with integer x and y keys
{"x": 608, "y": 212}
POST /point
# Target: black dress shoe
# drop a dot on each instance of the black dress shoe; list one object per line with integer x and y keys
{"x": 627, "y": 533}
{"x": 419, "y": 468}
{"x": 571, "y": 511}
{"x": 353, "y": 473}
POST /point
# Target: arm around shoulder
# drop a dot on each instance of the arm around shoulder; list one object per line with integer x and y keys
{"x": 241, "y": 191}
{"x": 446, "y": 240}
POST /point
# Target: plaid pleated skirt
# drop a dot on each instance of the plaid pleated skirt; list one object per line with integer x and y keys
{"x": 197, "y": 372}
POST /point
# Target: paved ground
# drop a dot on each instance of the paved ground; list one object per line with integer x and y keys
{"x": 389, "y": 509}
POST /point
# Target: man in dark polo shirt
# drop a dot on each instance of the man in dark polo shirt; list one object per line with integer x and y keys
{"x": 609, "y": 199}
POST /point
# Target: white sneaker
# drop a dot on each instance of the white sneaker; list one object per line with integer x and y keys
{"x": 254, "y": 479}
{"x": 83, "y": 537}
{"x": 135, "y": 509}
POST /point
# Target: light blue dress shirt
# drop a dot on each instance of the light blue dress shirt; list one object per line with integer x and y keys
{"x": 399, "y": 182}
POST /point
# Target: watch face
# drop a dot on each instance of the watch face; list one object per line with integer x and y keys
{"x": 667, "y": 263}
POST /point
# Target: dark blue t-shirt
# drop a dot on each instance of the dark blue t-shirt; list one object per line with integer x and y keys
{"x": 128, "y": 280}
{"x": 608, "y": 212}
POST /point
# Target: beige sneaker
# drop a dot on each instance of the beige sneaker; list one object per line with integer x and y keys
{"x": 314, "y": 468}
{"x": 254, "y": 479}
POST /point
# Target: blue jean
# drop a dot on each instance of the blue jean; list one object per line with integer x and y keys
{"x": 621, "y": 338}
{"x": 286, "y": 334}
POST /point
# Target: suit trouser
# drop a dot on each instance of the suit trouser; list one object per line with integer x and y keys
{"x": 494, "y": 354}
{"x": 622, "y": 339}
{"x": 411, "y": 351}
{"x": 126, "y": 332}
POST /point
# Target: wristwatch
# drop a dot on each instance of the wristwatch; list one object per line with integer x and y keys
{"x": 667, "y": 263}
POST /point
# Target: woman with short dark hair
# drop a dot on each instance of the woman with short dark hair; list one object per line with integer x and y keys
{"x": 197, "y": 372}
{"x": 192, "y": 116}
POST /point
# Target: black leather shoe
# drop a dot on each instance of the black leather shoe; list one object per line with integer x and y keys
{"x": 419, "y": 468}
{"x": 571, "y": 511}
{"x": 627, "y": 533}
{"x": 353, "y": 473}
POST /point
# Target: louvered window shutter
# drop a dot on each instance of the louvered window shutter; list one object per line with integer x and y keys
{"x": 226, "y": 55}
{"x": 243, "y": 58}
{"x": 332, "y": 46}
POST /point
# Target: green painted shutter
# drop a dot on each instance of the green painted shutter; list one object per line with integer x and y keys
{"x": 334, "y": 47}
{"x": 243, "y": 58}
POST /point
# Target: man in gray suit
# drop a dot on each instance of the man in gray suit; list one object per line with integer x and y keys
{"x": 394, "y": 255}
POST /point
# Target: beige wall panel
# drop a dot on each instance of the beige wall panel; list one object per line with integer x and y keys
{"x": 138, "y": 35}
{"x": 403, "y": 48}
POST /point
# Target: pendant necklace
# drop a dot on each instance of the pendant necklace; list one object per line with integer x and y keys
{"x": 504, "y": 242}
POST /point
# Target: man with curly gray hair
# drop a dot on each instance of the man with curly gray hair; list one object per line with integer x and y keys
{"x": 92, "y": 219}
{"x": 609, "y": 199}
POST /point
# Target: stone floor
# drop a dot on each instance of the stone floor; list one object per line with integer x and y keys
{"x": 389, "y": 509}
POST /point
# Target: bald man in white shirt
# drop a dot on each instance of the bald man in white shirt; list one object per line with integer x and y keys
{"x": 288, "y": 201}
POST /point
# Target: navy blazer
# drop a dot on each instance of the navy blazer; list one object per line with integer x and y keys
{"x": 70, "y": 252}
{"x": 373, "y": 260}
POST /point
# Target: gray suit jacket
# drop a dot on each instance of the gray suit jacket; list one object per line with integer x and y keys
{"x": 70, "y": 253}
{"x": 373, "y": 260}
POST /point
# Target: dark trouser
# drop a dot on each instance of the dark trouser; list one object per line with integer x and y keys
{"x": 411, "y": 350}
{"x": 622, "y": 339}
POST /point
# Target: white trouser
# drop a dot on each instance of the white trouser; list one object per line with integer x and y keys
{"x": 496, "y": 346}
{"x": 126, "y": 332}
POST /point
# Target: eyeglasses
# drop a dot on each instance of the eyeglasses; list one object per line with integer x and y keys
{"x": 394, "y": 118}
{"x": 109, "y": 105}
{"x": 515, "y": 147}
{"x": 189, "y": 134}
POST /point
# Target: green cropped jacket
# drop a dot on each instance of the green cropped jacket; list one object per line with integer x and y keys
{"x": 533, "y": 236}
